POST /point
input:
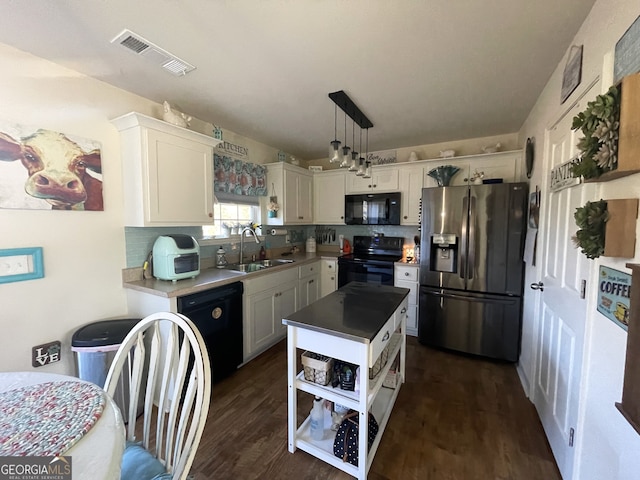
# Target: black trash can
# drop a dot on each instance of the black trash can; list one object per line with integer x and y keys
{"x": 95, "y": 345}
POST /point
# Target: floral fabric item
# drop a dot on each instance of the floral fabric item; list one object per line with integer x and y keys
{"x": 48, "y": 418}
{"x": 238, "y": 177}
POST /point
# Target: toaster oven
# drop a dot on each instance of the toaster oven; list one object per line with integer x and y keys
{"x": 176, "y": 257}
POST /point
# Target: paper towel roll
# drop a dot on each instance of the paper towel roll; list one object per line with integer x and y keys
{"x": 278, "y": 231}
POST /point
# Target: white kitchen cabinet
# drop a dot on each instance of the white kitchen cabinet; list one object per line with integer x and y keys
{"x": 328, "y": 277}
{"x": 505, "y": 165}
{"x": 384, "y": 178}
{"x": 408, "y": 276}
{"x": 267, "y": 299}
{"x": 328, "y": 197}
{"x": 308, "y": 284}
{"x": 410, "y": 181}
{"x": 294, "y": 188}
{"x": 167, "y": 173}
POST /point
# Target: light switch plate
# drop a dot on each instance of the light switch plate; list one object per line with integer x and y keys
{"x": 18, "y": 264}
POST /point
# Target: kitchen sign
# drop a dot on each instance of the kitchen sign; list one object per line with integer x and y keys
{"x": 382, "y": 158}
{"x": 562, "y": 177}
{"x": 614, "y": 294}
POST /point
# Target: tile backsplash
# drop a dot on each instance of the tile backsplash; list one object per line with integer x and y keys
{"x": 139, "y": 240}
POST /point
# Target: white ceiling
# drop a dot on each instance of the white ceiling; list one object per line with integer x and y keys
{"x": 423, "y": 71}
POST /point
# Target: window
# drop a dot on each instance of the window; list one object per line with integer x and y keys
{"x": 229, "y": 217}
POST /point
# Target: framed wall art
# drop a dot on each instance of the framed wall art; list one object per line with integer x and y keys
{"x": 572, "y": 72}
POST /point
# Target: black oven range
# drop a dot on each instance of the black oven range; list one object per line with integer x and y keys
{"x": 371, "y": 261}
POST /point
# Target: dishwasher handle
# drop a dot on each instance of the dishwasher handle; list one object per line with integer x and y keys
{"x": 209, "y": 296}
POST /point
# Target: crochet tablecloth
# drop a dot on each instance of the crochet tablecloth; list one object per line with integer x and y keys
{"x": 47, "y": 419}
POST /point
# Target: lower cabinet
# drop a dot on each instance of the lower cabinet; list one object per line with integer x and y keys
{"x": 309, "y": 284}
{"x": 328, "y": 277}
{"x": 264, "y": 307}
{"x": 407, "y": 276}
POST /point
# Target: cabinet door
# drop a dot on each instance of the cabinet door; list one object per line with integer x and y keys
{"x": 410, "y": 180}
{"x": 298, "y": 194}
{"x": 180, "y": 180}
{"x": 309, "y": 290}
{"x": 305, "y": 198}
{"x": 261, "y": 314}
{"x": 385, "y": 180}
{"x": 329, "y": 277}
{"x": 382, "y": 180}
{"x": 285, "y": 303}
{"x": 505, "y": 165}
{"x": 328, "y": 197}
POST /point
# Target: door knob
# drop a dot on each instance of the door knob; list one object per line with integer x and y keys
{"x": 537, "y": 286}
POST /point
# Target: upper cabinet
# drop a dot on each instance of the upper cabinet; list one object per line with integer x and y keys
{"x": 294, "y": 188}
{"x": 410, "y": 182}
{"x": 328, "y": 197}
{"x": 167, "y": 173}
{"x": 504, "y": 165}
{"x": 383, "y": 179}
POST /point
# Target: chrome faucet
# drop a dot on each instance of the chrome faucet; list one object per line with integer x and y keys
{"x": 253, "y": 232}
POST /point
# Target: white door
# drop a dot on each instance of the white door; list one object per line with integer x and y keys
{"x": 562, "y": 309}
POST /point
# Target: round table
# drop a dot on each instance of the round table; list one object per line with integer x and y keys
{"x": 98, "y": 453}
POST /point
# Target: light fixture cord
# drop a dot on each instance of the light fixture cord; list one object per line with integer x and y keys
{"x": 345, "y": 129}
{"x": 335, "y": 122}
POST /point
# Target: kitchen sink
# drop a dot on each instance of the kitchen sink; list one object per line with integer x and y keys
{"x": 256, "y": 266}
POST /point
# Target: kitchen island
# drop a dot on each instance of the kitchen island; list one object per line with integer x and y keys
{"x": 359, "y": 324}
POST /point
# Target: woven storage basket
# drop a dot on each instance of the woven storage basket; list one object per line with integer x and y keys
{"x": 317, "y": 368}
{"x": 380, "y": 362}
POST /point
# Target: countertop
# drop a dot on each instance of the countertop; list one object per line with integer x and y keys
{"x": 215, "y": 277}
{"x": 356, "y": 311}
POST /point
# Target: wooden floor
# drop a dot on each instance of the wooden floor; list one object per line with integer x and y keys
{"x": 456, "y": 417}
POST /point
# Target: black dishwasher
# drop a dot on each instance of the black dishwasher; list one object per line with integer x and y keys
{"x": 218, "y": 315}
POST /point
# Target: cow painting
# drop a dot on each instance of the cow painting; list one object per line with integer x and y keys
{"x": 58, "y": 171}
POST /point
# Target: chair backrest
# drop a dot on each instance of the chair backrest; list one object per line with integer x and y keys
{"x": 169, "y": 364}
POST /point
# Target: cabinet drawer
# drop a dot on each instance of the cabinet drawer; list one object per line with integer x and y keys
{"x": 409, "y": 274}
{"x": 400, "y": 312}
{"x": 413, "y": 287}
{"x": 382, "y": 339}
{"x": 309, "y": 269}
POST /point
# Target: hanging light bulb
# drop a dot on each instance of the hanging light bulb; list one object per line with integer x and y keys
{"x": 354, "y": 155}
{"x": 361, "y": 170}
{"x": 367, "y": 172}
{"x": 334, "y": 148}
{"x": 346, "y": 149}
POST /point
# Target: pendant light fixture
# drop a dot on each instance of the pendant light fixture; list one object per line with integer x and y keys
{"x": 361, "y": 170}
{"x": 354, "y": 155}
{"x": 346, "y": 149}
{"x": 334, "y": 148}
{"x": 367, "y": 163}
{"x": 342, "y": 100}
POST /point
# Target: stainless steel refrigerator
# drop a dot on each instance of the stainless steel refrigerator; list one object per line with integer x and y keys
{"x": 471, "y": 268}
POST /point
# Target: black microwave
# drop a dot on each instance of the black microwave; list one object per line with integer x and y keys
{"x": 372, "y": 209}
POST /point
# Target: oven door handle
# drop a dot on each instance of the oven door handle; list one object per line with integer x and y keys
{"x": 387, "y": 208}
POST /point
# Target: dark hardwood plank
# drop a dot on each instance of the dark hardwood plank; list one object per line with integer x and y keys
{"x": 456, "y": 417}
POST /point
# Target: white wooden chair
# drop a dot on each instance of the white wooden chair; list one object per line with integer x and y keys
{"x": 170, "y": 365}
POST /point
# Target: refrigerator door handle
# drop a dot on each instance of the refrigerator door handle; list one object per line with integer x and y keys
{"x": 472, "y": 238}
{"x": 463, "y": 242}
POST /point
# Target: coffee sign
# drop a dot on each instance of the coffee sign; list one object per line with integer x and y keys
{"x": 614, "y": 293}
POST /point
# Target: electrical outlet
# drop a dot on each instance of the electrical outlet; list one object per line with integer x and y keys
{"x": 287, "y": 238}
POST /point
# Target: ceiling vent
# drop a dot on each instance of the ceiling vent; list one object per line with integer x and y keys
{"x": 141, "y": 46}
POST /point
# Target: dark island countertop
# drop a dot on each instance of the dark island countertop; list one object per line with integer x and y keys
{"x": 356, "y": 311}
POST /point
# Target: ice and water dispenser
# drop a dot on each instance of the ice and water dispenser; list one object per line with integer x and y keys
{"x": 444, "y": 252}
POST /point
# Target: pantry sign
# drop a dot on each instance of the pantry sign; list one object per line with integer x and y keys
{"x": 614, "y": 292}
